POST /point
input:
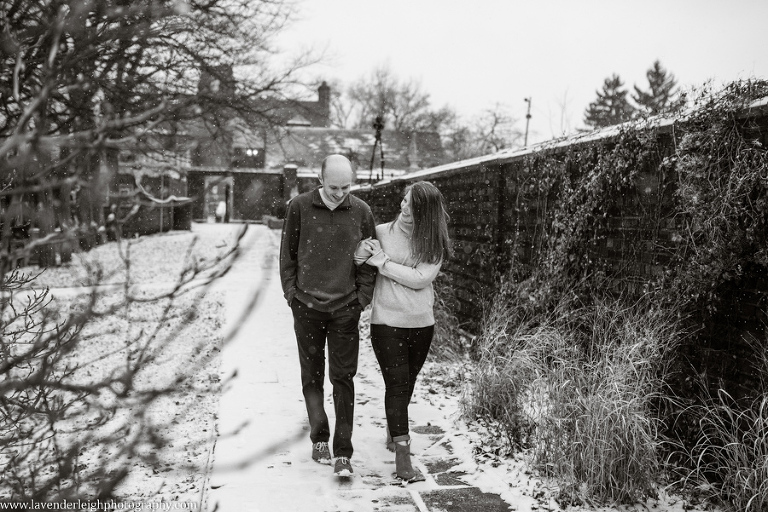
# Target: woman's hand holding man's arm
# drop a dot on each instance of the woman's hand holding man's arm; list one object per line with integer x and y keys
{"x": 378, "y": 257}
{"x": 364, "y": 250}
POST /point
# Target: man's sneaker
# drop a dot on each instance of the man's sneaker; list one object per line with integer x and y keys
{"x": 343, "y": 467}
{"x": 321, "y": 453}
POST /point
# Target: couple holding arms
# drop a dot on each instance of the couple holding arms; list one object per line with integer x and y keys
{"x": 334, "y": 261}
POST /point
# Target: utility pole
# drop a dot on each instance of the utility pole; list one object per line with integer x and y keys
{"x": 527, "y": 120}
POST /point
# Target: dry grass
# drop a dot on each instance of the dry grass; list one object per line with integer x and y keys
{"x": 579, "y": 387}
{"x": 729, "y": 461}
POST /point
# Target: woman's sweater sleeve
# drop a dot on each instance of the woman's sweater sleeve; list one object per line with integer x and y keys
{"x": 417, "y": 277}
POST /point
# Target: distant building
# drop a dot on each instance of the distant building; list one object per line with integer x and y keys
{"x": 255, "y": 168}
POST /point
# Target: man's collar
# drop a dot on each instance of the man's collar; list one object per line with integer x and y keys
{"x": 317, "y": 200}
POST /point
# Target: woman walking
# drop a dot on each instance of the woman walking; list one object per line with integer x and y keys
{"x": 408, "y": 253}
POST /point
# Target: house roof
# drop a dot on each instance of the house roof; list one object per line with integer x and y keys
{"x": 288, "y": 112}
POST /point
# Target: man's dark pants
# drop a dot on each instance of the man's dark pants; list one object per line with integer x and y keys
{"x": 340, "y": 328}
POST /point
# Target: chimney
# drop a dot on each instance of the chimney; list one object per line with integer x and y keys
{"x": 324, "y": 102}
{"x": 413, "y": 153}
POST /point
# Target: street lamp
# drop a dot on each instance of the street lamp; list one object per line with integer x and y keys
{"x": 378, "y": 125}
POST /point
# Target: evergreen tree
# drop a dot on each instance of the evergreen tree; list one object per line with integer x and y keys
{"x": 661, "y": 95}
{"x": 611, "y": 106}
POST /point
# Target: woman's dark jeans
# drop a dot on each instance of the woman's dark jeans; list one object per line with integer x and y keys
{"x": 401, "y": 352}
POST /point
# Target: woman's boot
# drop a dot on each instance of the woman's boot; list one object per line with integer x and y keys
{"x": 403, "y": 465}
{"x": 390, "y": 442}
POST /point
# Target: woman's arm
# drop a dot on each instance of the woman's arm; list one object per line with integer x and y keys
{"x": 417, "y": 277}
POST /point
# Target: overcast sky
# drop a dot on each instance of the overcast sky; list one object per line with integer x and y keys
{"x": 473, "y": 54}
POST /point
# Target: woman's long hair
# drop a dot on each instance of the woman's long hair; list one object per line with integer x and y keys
{"x": 430, "y": 242}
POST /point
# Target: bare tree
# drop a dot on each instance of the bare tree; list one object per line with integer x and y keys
{"x": 564, "y": 121}
{"x": 79, "y": 80}
{"x": 490, "y": 131}
{"x": 84, "y": 386}
{"x": 404, "y": 105}
{"x": 341, "y": 110}
{"x": 495, "y": 130}
{"x": 459, "y": 141}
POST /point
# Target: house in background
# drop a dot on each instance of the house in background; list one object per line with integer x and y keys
{"x": 249, "y": 170}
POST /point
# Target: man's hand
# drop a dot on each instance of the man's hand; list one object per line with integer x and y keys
{"x": 363, "y": 252}
{"x": 374, "y": 246}
{"x": 377, "y": 258}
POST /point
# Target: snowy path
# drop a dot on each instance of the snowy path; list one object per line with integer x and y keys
{"x": 262, "y": 457}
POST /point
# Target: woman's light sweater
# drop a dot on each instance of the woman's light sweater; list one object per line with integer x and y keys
{"x": 403, "y": 295}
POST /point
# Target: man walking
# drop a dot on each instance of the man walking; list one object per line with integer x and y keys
{"x": 326, "y": 291}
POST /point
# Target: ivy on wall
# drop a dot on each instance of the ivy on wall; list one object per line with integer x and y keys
{"x": 576, "y": 194}
{"x": 722, "y": 195}
{"x": 711, "y": 182}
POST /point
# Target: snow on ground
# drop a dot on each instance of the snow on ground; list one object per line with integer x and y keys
{"x": 258, "y": 458}
{"x": 184, "y": 417}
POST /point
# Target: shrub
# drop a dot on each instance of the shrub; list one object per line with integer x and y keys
{"x": 582, "y": 388}
{"x": 586, "y": 381}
